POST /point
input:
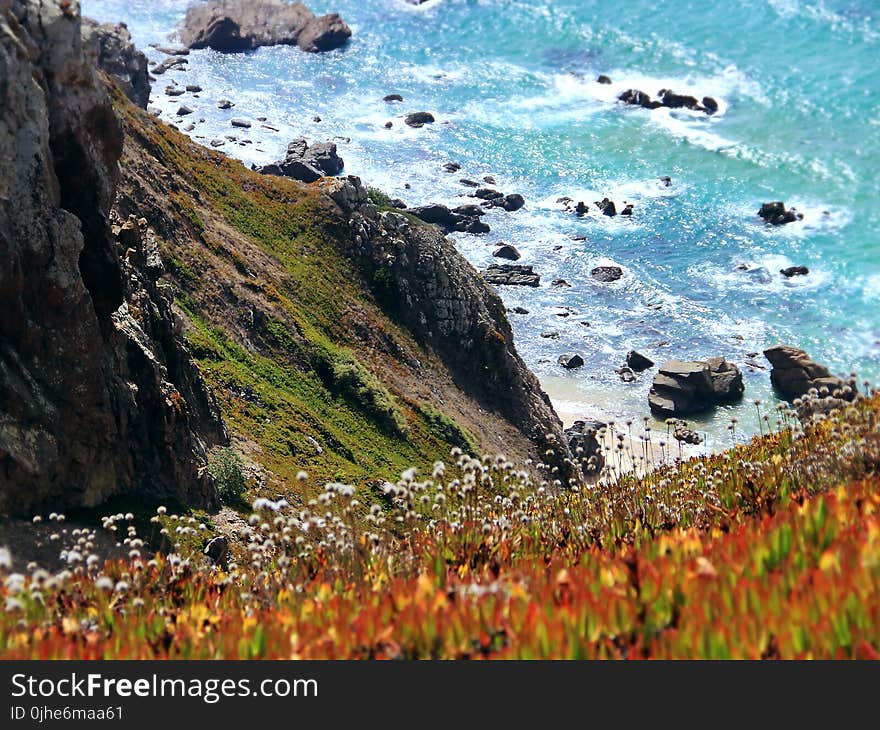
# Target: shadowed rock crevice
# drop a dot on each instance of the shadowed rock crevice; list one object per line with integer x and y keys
{"x": 96, "y": 397}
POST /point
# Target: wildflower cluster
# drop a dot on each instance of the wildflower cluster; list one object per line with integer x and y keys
{"x": 770, "y": 549}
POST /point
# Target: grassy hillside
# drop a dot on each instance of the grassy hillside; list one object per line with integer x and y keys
{"x": 310, "y": 372}
{"x": 771, "y": 550}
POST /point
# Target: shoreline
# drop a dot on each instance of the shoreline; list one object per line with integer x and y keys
{"x": 636, "y": 451}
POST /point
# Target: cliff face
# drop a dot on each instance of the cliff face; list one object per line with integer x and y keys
{"x": 424, "y": 282}
{"x": 96, "y": 395}
{"x": 329, "y": 336}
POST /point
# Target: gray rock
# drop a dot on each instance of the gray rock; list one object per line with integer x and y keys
{"x": 638, "y": 362}
{"x": 392, "y": 97}
{"x": 794, "y": 271}
{"x": 115, "y": 54}
{"x": 512, "y": 275}
{"x": 419, "y": 119}
{"x": 232, "y": 26}
{"x": 776, "y": 214}
{"x": 682, "y": 388}
{"x": 507, "y": 252}
{"x": 241, "y": 123}
{"x": 513, "y": 202}
{"x": 727, "y": 380}
{"x": 626, "y": 374}
{"x": 793, "y": 373}
{"x": 306, "y": 163}
{"x": 173, "y": 63}
{"x": 607, "y": 274}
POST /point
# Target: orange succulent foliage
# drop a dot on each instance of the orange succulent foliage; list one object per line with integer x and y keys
{"x": 769, "y": 551}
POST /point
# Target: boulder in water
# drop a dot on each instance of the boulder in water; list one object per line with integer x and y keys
{"x": 512, "y": 275}
{"x": 607, "y": 274}
{"x": 778, "y": 215}
{"x": 232, "y": 26}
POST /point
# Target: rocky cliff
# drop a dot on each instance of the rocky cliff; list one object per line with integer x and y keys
{"x": 97, "y": 396}
{"x": 325, "y": 334}
{"x": 424, "y": 282}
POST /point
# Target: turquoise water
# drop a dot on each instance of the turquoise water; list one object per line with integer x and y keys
{"x": 512, "y": 85}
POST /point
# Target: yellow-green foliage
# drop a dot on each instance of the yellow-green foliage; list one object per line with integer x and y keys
{"x": 367, "y": 392}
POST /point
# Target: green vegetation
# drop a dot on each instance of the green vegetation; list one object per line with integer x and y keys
{"x": 367, "y": 392}
{"x": 299, "y": 384}
{"x": 448, "y": 430}
{"x": 378, "y": 198}
{"x": 227, "y": 468}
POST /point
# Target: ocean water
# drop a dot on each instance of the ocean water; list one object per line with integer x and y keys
{"x": 512, "y": 84}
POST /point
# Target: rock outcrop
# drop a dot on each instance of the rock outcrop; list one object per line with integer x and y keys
{"x": 430, "y": 287}
{"x": 777, "y": 214}
{"x": 111, "y": 46}
{"x": 794, "y": 373}
{"x": 464, "y": 219}
{"x": 306, "y": 163}
{"x": 98, "y": 395}
{"x": 683, "y": 388}
{"x": 232, "y": 26}
{"x": 512, "y": 275}
{"x": 607, "y": 274}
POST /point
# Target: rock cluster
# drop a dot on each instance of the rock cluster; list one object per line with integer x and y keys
{"x": 682, "y": 388}
{"x": 464, "y": 218}
{"x": 232, "y": 26}
{"x": 668, "y": 99}
{"x": 512, "y": 275}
